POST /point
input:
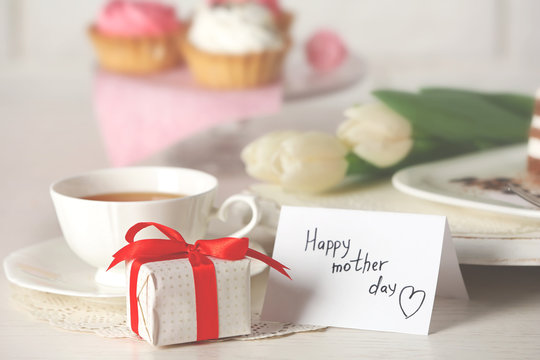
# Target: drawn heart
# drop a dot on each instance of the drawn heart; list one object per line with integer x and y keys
{"x": 410, "y": 300}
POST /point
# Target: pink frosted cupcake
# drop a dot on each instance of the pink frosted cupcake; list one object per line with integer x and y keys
{"x": 137, "y": 37}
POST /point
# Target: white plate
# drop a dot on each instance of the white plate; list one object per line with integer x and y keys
{"x": 302, "y": 81}
{"x": 52, "y": 267}
{"x": 434, "y": 181}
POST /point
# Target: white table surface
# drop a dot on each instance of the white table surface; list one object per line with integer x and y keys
{"x": 47, "y": 131}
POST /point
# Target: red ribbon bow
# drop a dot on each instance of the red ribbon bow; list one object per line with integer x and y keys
{"x": 204, "y": 275}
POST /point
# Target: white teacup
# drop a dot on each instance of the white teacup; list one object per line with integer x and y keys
{"x": 95, "y": 229}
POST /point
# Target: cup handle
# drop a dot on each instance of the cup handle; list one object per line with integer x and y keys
{"x": 253, "y": 204}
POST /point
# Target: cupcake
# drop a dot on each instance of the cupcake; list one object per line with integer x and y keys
{"x": 282, "y": 18}
{"x": 234, "y": 45}
{"x": 137, "y": 37}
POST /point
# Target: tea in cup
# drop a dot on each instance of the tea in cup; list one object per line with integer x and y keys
{"x": 96, "y": 209}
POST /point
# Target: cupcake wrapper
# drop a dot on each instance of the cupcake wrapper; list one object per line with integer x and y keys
{"x": 220, "y": 71}
{"x": 139, "y": 55}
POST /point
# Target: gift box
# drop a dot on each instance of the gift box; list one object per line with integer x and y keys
{"x": 180, "y": 292}
{"x": 166, "y": 301}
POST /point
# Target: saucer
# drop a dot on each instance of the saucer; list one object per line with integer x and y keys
{"x": 52, "y": 267}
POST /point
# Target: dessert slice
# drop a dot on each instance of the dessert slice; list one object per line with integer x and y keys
{"x": 533, "y": 149}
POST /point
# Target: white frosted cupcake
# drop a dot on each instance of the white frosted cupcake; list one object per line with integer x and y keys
{"x": 234, "y": 45}
{"x": 283, "y": 18}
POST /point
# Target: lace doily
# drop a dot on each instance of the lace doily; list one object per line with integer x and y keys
{"x": 107, "y": 316}
{"x": 384, "y": 197}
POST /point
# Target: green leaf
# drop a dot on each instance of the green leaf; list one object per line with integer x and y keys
{"x": 423, "y": 150}
{"x": 358, "y": 166}
{"x": 448, "y": 122}
{"x": 519, "y": 104}
{"x": 455, "y": 116}
{"x": 423, "y": 116}
{"x": 489, "y": 121}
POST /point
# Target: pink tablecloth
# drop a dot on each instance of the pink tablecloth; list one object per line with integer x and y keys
{"x": 140, "y": 116}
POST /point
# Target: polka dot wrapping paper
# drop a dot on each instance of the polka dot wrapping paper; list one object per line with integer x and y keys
{"x": 167, "y": 307}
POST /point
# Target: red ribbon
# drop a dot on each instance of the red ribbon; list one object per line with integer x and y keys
{"x": 204, "y": 274}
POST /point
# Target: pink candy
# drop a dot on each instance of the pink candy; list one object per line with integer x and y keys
{"x": 325, "y": 50}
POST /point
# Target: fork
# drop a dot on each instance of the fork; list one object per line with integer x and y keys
{"x": 525, "y": 195}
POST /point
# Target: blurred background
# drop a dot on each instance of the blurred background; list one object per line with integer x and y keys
{"x": 47, "y": 124}
{"x": 493, "y": 42}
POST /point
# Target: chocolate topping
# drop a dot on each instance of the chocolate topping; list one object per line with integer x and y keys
{"x": 498, "y": 183}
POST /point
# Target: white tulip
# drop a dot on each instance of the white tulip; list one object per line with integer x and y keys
{"x": 257, "y": 156}
{"x": 306, "y": 162}
{"x": 310, "y": 162}
{"x": 376, "y": 134}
